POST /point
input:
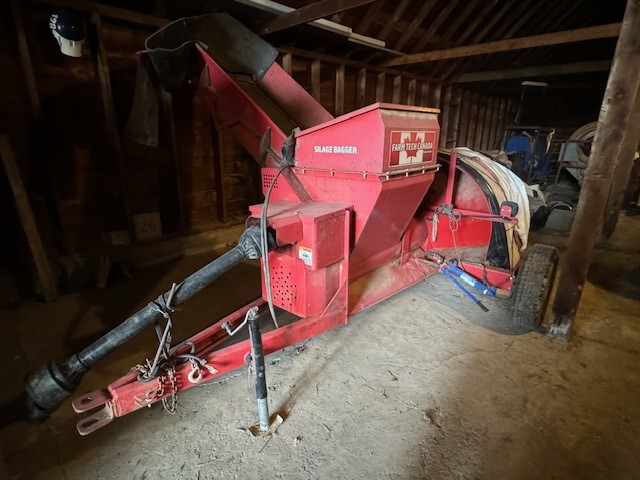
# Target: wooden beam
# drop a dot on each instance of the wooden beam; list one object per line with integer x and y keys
{"x": 309, "y": 13}
{"x": 539, "y": 71}
{"x": 111, "y": 123}
{"x": 615, "y": 113}
{"x": 46, "y": 279}
{"x": 557, "y": 38}
{"x": 339, "y": 92}
{"x": 108, "y": 11}
{"x": 623, "y": 165}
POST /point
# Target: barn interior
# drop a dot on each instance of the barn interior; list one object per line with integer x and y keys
{"x": 116, "y": 187}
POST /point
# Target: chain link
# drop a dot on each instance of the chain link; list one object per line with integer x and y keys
{"x": 454, "y": 223}
{"x": 170, "y": 403}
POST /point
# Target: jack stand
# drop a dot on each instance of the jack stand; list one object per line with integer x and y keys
{"x": 261, "y": 378}
{"x": 264, "y": 425}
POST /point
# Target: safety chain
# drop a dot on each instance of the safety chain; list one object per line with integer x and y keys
{"x": 170, "y": 403}
{"x": 165, "y": 361}
{"x": 454, "y": 220}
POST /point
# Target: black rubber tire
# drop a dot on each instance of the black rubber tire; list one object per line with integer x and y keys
{"x": 533, "y": 285}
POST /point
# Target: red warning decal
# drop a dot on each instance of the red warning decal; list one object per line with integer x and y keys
{"x": 411, "y": 147}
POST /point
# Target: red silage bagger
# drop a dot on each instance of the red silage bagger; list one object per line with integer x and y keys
{"x": 356, "y": 208}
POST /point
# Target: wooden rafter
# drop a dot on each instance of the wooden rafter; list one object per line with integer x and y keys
{"x": 435, "y": 25}
{"x": 365, "y": 23}
{"x": 415, "y": 24}
{"x": 108, "y": 11}
{"x": 555, "y": 23}
{"x": 494, "y": 29}
{"x": 457, "y": 23}
{"x": 557, "y": 38}
{"x": 349, "y": 63}
{"x": 389, "y": 26}
{"x": 544, "y": 70}
{"x": 309, "y": 13}
{"x": 538, "y": 57}
{"x": 470, "y": 28}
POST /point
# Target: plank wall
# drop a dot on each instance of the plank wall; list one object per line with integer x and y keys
{"x": 90, "y": 180}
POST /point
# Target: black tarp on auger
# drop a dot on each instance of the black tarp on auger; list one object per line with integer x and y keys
{"x": 171, "y": 61}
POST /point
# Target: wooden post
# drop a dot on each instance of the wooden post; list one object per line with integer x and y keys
{"x": 113, "y": 136}
{"x": 444, "y": 118}
{"x": 218, "y": 171}
{"x": 169, "y": 120}
{"x": 436, "y": 92}
{"x": 622, "y": 170}
{"x": 455, "y": 116}
{"x": 380, "y": 88}
{"x": 361, "y": 88}
{"x": 397, "y": 89}
{"x": 315, "y": 79}
{"x": 411, "y": 92}
{"x": 473, "y": 120}
{"x": 615, "y": 113}
{"x": 495, "y": 114}
{"x": 47, "y": 281}
{"x": 424, "y": 95}
{"x": 339, "y": 93}
{"x": 509, "y": 115}
{"x": 482, "y": 108}
{"x": 465, "y": 110}
{"x": 501, "y": 122}
{"x": 287, "y": 63}
{"x": 27, "y": 67}
{"x": 486, "y": 123}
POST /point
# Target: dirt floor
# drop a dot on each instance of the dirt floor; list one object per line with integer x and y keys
{"x": 423, "y": 385}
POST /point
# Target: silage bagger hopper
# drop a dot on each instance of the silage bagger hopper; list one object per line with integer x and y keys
{"x": 356, "y": 209}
